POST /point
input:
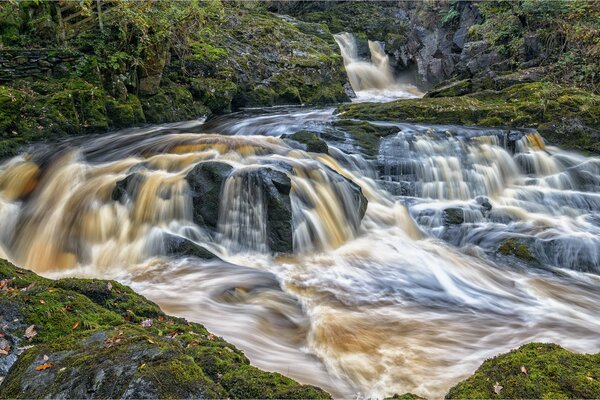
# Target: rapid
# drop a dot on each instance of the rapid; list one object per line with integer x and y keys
{"x": 365, "y": 275}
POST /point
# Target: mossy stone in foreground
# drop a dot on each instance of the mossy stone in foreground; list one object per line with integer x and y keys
{"x": 516, "y": 248}
{"x": 534, "y": 371}
{"x": 313, "y": 143}
{"x": 365, "y": 134}
{"x": 99, "y": 339}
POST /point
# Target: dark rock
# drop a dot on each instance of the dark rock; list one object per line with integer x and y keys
{"x": 181, "y": 247}
{"x": 206, "y": 181}
{"x": 277, "y": 186}
{"x": 454, "y": 216}
{"x": 312, "y": 142}
{"x": 127, "y": 188}
{"x": 484, "y": 203}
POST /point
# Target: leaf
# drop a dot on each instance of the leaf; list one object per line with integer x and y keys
{"x": 42, "y": 302}
{"x": 109, "y": 286}
{"x": 30, "y": 332}
{"x": 589, "y": 378}
{"x": 44, "y": 366}
{"x": 76, "y": 324}
{"x": 497, "y": 388}
{"x": 151, "y": 341}
{"x": 4, "y": 352}
{"x": 46, "y": 358}
{"x": 524, "y": 369}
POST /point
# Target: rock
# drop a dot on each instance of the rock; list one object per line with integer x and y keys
{"x": 312, "y": 142}
{"x": 519, "y": 248}
{"x": 97, "y": 347}
{"x": 181, "y": 247}
{"x": 127, "y": 188}
{"x": 484, "y": 203}
{"x": 453, "y": 216}
{"x": 206, "y": 181}
{"x": 558, "y": 374}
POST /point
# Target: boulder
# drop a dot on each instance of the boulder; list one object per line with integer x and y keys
{"x": 181, "y": 247}
{"x": 206, "y": 180}
{"x": 454, "y": 216}
{"x": 127, "y": 188}
{"x": 310, "y": 140}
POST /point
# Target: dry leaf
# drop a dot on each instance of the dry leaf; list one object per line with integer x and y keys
{"x": 142, "y": 366}
{"x": 43, "y": 366}
{"x": 109, "y": 286}
{"x": 151, "y": 341}
{"x": 76, "y": 324}
{"x": 161, "y": 318}
{"x": 497, "y": 388}
{"x": 30, "y": 332}
{"x": 4, "y": 352}
{"x": 46, "y": 358}
{"x": 524, "y": 369}
{"x": 589, "y": 378}
{"x": 42, "y": 302}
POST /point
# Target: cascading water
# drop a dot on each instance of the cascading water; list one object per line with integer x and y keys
{"x": 372, "y": 80}
{"x": 374, "y": 304}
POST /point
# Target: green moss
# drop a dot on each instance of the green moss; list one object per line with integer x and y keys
{"x": 313, "y": 143}
{"x": 89, "y": 331}
{"x": 125, "y": 113}
{"x": 565, "y": 115}
{"x": 516, "y": 248}
{"x": 406, "y": 396}
{"x": 216, "y": 94}
{"x": 172, "y": 103}
{"x": 11, "y": 101}
{"x": 365, "y": 134}
{"x": 552, "y": 373}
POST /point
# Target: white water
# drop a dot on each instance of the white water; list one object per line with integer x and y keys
{"x": 372, "y": 80}
{"x": 386, "y": 308}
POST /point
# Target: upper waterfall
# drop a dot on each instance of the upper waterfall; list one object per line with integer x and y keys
{"x": 372, "y": 79}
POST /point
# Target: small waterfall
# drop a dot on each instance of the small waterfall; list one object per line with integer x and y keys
{"x": 372, "y": 79}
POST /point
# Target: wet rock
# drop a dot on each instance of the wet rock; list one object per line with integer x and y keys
{"x": 454, "y": 216}
{"x": 181, "y": 247}
{"x": 206, "y": 180}
{"x": 519, "y": 248}
{"x": 127, "y": 188}
{"x": 310, "y": 140}
{"x": 484, "y": 203}
{"x": 402, "y": 188}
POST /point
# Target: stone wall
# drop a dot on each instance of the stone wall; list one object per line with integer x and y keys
{"x": 16, "y": 64}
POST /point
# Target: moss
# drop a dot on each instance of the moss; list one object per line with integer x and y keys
{"x": 365, "y": 134}
{"x": 565, "y": 115}
{"x": 125, "y": 113}
{"x": 516, "y": 248}
{"x": 172, "y": 103}
{"x": 313, "y": 143}
{"x": 551, "y": 373}
{"x": 216, "y": 94}
{"x": 90, "y": 332}
{"x": 11, "y": 101}
{"x": 249, "y": 382}
{"x": 114, "y": 297}
{"x": 406, "y": 396}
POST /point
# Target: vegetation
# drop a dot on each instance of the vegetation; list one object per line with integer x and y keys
{"x": 100, "y": 337}
{"x": 565, "y": 115}
{"x": 534, "y": 371}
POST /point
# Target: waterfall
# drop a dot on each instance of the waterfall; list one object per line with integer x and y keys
{"x": 372, "y": 79}
{"x": 376, "y": 292}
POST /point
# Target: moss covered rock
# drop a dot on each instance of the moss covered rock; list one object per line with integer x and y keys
{"x": 172, "y": 103}
{"x": 312, "y": 142}
{"x": 365, "y": 134}
{"x": 534, "y": 371}
{"x": 95, "y": 338}
{"x": 517, "y": 248}
{"x": 565, "y": 115}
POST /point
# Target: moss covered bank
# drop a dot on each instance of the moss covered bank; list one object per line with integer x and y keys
{"x": 81, "y": 338}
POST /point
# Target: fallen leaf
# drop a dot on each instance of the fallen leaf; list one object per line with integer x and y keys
{"x": 44, "y": 366}
{"x": 69, "y": 307}
{"x": 30, "y": 332}
{"x": 46, "y": 358}
{"x": 63, "y": 369}
{"x": 151, "y": 341}
{"x": 31, "y": 286}
{"x": 146, "y": 323}
{"x": 161, "y": 318}
{"x": 589, "y": 378}
{"x": 109, "y": 286}
{"x": 524, "y": 369}
{"x": 76, "y": 324}
{"x": 42, "y": 302}
{"x": 497, "y": 388}
{"x": 142, "y": 366}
